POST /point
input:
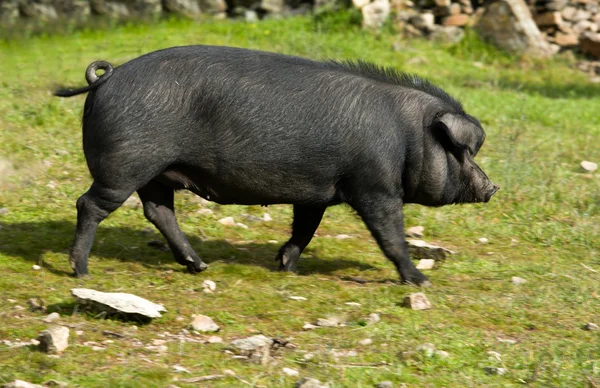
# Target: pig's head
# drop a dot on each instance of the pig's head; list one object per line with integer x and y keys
{"x": 448, "y": 172}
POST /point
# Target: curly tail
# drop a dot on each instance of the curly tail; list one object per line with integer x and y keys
{"x": 92, "y": 79}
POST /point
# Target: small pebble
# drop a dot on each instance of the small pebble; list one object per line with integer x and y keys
{"x": 343, "y": 236}
{"x": 308, "y": 356}
{"x": 352, "y": 304}
{"x": 365, "y": 342}
{"x": 227, "y": 221}
{"x": 517, "y": 281}
{"x": 229, "y": 372}
{"x": 385, "y": 384}
{"x": 494, "y": 355}
{"x": 11, "y": 301}
{"x": 205, "y": 212}
{"x": 36, "y": 267}
{"x": 415, "y": 231}
{"x": 442, "y": 354}
{"x": 417, "y": 301}
{"x": 373, "y": 318}
{"x": 180, "y": 369}
{"x": 298, "y": 298}
{"x": 214, "y": 339}
{"x": 507, "y": 341}
{"x": 484, "y": 240}
{"x": 273, "y": 242}
{"x": 209, "y": 286}
{"x": 79, "y": 332}
{"x": 492, "y": 370}
{"x": 244, "y": 226}
{"x": 97, "y": 348}
{"x": 267, "y": 217}
{"x": 591, "y": 327}
{"x": 290, "y": 372}
{"x": 309, "y": 326}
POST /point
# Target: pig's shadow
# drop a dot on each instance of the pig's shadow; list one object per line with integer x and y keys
{"x": 31, "y": 240}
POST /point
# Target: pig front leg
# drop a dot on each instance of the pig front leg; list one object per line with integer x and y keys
{"x": 159, "y": 209}
{"x": 306, "y": 221}
{"x": 383, "y": 216}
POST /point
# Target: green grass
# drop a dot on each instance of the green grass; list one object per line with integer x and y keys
{"x": 544, "y": 225}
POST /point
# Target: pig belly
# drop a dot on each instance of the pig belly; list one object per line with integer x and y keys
{"x": 251, "y": 188}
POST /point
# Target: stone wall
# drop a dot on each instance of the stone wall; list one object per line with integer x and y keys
{"x": 561, "y": 24}
{"x": 541, "y": 27}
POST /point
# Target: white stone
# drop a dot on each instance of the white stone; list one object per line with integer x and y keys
{"x": 328, "y": 322}
{"x": 355, "y": 304}
{"x": 54, "y": 340}
{"x": 36, "y": 267}
{"x": 244, "y": 226}
{"x": 415, "y": 231}
{"x": 591, "y": 327}
{"x": 132, "y": 202}
{"x": 21, "y": 384}
{"x": 180, "y": 369}
{"x": 360, "y": 3}
{"x": 290, "y": 372}
{"x": 205, "y": 212}
{"x": 365, "y": 342}
{"x": 214, "y": 339}
{"x": 483, "y": 240}
{"x": 343, "y": 236}
{"x": 442, "y": 354}
{"x": 51, "y": 317}
{"x": 308, "y": 326}
{"x": 517, "y": 281}
{"x": 426, "y": 264}
{"x": 118, "y": 301}
{"x": 204, "y": 324}
{"x": 428, "y": 349}
{"x": 417, "y": 301}
{"x": 209, "y": 285}
{"x": 373, "y": 318}
{"x": 494, "y": 355}
{"x": 589, "y": 166}
{"x": 492, "y": 370}
{"x": 298, "y": 298}
{"x": 375, "y": 14}
{"x": 227, "y": 221}
{"x": 267, "y": 217}
{"x": 507, "y": 341}
{"x": 307, "y": 382}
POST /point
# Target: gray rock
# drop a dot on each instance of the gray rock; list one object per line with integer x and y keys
{"x": 417, "y": 301}
{"x": 188, "y": 8}
{"x": 508, "y": 24}
{"x": 3, "y": 211}
{"x": 447, "y": 34}
{"x": 56, "y": 383}
{"x": 492, "y": 370}
{"x": 591, "y": 327}
{"x": 307, "y": 382}
{"x": 375, "y": 14}
{"x": 423, "y": 250}
{"x": 328, "y": 322}
{"x": 54, "y": 340}
{"x": 9, "y": 14}
{"x": 424, "y": 21}
{"x": 118, "y": 302}
{"x": 204, "y": 324}
{"x": 385, "y": 384}
{"x": 36, "y": 304}
{"x": 427, "y": 349}
{"x": 21, "y": 384}
{"x": 251, "y": 344}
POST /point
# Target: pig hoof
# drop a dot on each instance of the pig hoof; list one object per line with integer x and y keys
{"x": 425, "y": 284}
{"x": 193, "y": 268}
{"x": 418, "y": 280}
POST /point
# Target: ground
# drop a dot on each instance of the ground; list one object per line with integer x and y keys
{"x": 541, "y": 120}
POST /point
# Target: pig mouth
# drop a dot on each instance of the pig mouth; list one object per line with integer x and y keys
{"x": 491, "y": 192}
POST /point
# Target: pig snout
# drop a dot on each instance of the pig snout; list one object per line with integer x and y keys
{"x": 492, "y": 188}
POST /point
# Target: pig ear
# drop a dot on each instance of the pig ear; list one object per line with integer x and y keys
{"x": 463, "y": 131}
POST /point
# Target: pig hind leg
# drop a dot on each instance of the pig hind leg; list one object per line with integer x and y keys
{"x": 159, "y": 209}
{"x": 306, "y": 221}
{"x": 92, "y": 207}
{"x": 383, "y": 216}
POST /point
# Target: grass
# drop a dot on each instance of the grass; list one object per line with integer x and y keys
{"x": 544, "y": 225}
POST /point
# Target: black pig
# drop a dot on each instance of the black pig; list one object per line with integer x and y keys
{"x": 237, "y": 126}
